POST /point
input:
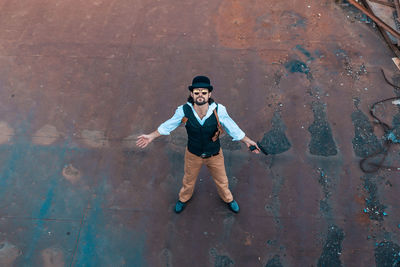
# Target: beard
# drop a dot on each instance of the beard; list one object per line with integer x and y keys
{"x": 200, "y": 103}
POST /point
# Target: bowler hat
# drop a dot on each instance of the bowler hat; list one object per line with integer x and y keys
{"x": 201, "y": 82}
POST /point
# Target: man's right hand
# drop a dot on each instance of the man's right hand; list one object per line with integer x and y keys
{"x": 145, "y": 139}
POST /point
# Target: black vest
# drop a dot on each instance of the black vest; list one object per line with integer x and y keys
{"x": 200, "y": 137}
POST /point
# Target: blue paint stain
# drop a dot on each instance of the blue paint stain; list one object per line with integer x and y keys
{"x": 304, "y": 52}
{"x": 88, "y": 239}
{"x": 297, "y": 66}
{"x": 44, "y": 209}
{"x": 101, "y": 243}
{"x": 392, "y": 137}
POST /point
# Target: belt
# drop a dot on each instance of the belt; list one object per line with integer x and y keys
{"x": 206, "y": 156}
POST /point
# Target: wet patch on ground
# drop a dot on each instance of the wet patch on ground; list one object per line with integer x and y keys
{"x": 166, "y": 257}
{"x": 220, "y": 260}
{"x": 332, "y": 250}
{"x": 275, "y": 141}
{"x": 179, "y": 137}
{"x": 328, "y": 172}
{"x": 228, "y": 144}
{"x": 374, "y": 209}
{"x": 305, "y": 52}
{"x": 274, "y": 262}
{"x": 326, "y": 185}
{"x": 292, "y": 19}
{"x": 296, "y": 65}
{"x": 365, "y": 142}
{"x": 387, "y": 254}
{"x": 273, "y": 206}
{"x": 173, "y": 181}
{"x": 322, "y": 143}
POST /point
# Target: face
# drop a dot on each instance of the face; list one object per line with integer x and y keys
{"x": 200, "y": 96}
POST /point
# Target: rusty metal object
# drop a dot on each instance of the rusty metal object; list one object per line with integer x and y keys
{"x": 397, "y": 5}
{"x": 384, "y": 3}
{"x": 375, "y": 19}
{"x": 384, "y": 34}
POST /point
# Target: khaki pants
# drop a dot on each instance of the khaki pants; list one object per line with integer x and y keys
{"x": 216, "y": 166}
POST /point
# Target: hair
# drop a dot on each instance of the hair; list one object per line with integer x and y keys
{"x": 191, "y": 100}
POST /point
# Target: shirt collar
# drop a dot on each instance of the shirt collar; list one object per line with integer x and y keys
{"x": 209, "y": 111}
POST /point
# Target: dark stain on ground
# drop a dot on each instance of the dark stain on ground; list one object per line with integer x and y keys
{"x": 396, "y": 121}
{"x": 365, "y": 141}
{"x": 221, "y": 260}
{"x": 322, "y": 143}
{"x": 304, "y": 52}
{"x": 374, "y": 209}
{"x": 274, "y": 205}
{"x": 275, "y": 141}
{"x": 387, "y": 254}
{"x": 295, "y": 65}
{"x": 330, "y": 256}
{"x": 396, "y": 82}
{"x": 325, "y": 183}
{"x": 228, "y": 144}
{"x": 277, "y": 77}
{"x": 274, "y": 262}
{"x": 179, "y": 137}
{"x": 293, "y": 19}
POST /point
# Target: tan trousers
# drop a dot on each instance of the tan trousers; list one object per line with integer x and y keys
{"x": 216, "y": 166}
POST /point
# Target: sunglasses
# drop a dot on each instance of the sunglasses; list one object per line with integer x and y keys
{"x": 197, "y": 91}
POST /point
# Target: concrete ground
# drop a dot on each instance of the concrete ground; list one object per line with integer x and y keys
{"x": 80, "y": 80}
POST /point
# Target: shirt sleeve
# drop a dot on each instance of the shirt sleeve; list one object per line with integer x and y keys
{"x": 168, "y": 126}
{"x": 229, "y": 125}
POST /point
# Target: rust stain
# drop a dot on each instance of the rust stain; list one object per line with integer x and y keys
{"x": 71, "y": 173}
{"x": 247, "y": 241}
{"x": 234, "y": 25}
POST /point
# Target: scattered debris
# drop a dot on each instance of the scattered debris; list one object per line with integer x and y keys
{"x": 374, "y": 209}
{"x": 387, "y": 253}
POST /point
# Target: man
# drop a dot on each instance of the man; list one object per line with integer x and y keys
{"x": 203, "y": 119}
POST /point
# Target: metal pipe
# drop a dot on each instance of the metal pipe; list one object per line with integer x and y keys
{"x": 383, "y": 3}
{"x": 384, "y": 33}
{"x": 375, "y": 19}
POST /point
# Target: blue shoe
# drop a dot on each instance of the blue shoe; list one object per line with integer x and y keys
{"x": 233, "y": 206}
{"x": 179, "y": 206}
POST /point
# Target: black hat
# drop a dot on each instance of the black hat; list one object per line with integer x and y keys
{"x": 201, "y": 82}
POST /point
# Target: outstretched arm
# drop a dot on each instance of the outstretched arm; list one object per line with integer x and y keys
{"x": 145, "y": 139}
{"x": 233, "y": 129}
{"x": 164, "y": 129}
